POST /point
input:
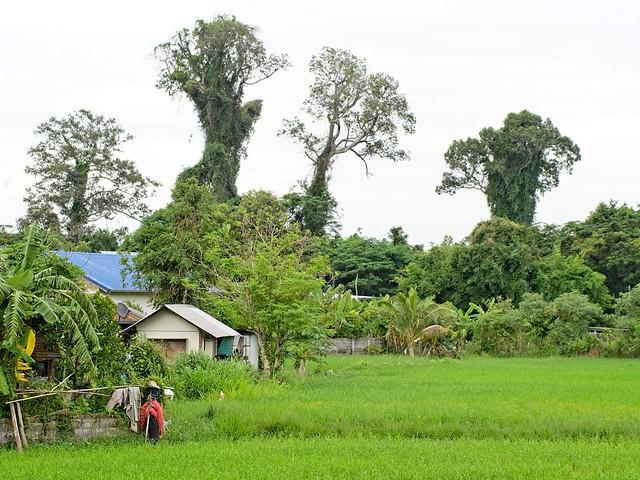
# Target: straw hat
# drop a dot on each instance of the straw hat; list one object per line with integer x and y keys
{"x": 152, "y": 384}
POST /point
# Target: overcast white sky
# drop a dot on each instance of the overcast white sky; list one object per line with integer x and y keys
{"x": 463, "y": 65}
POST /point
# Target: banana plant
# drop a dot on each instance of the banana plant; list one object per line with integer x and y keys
{"x": 29, "y": 293}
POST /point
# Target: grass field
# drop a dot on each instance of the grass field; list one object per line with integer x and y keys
{"x": 389, "y": 417}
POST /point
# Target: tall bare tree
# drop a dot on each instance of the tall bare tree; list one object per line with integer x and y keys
{"x": 358, "y": 113}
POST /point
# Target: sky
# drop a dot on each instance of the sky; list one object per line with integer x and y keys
{"x": 463, "y": 65}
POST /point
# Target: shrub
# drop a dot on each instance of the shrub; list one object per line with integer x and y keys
{"x": 572, "y": 313}
{"x": 196, "y": 375}
{"x": 500, "y": 330}
{"x": 145, "y": 359}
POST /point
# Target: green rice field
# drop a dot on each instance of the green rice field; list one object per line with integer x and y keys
{"x": 387, "y": 417}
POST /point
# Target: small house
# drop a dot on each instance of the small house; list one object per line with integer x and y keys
{"x": 185, "y": 328}
{"x": 105, "y": 272}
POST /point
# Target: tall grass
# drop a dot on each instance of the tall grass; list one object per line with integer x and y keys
{"x": 198, "y": 376}
{"x": 386, "y": 417}
{"x": 392, "y": 396}
{"x": 334, "y": 459}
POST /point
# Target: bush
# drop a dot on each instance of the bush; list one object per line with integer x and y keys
{"x": 500, "y": 330}
{"x": 196, "y": 376}
{"x": 572, "y": 313}
{"x": 145, "y": 360}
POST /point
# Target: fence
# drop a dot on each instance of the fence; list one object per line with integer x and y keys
{"x": 79, "y": 428}
{"x": 355, "y": 346}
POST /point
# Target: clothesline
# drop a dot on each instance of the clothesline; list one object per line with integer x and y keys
{"x": 80, "y": 390}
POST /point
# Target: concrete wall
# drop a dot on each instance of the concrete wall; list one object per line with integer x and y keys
{"x": 166, "y": 325}
{"x": 81, "y": 428}
{"x": 354, "y": 346}
{"x": 142, "y": 299}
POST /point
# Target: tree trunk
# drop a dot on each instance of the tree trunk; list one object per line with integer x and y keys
{"x": 266, "y": 363}
{"x": 411, "y": 347}
{"x": 319, "y": 182}
{"x": 78, "y": 211}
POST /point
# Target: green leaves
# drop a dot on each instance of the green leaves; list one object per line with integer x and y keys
{"x": 269, "y": 285}
{"x": 211, "y": 64}
{"x": 513, "y": 166}
{"x": 80, "y": 177}
{"x": 358, "y": 112}
{"x": 21, "y": 280}
{"x": 368, "y": 266}
{"x": 27, "y": 295}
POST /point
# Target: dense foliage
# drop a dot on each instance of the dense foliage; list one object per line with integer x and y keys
{"x": 267, "y": 283}
{"x": 212, "y": 64}
{"x": 32, "y": 292}
{"x": 513, "y": 165}
{"x": 367, "y": 266}
{"x": 500, "y": 259}
{"x": 170, "y": 245}
{"x": 609, "y": 242}
{"x": 80, "y": 177}
{"x": 196, "y": 375}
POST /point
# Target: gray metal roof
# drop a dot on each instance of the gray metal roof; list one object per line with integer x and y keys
{"x": 196, "y": 317}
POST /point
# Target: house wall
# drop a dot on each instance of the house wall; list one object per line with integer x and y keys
{"x": 251, "y": 351}
{"x": 166, "y": 325}
{"x": 142, "y": 299}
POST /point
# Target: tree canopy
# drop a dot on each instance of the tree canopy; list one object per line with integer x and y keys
{"x": 513, "y": 165}
{"x": 80, "y": 177}
{"x": 30, "y": 292}
{"x": 268, "y": 284}
{"x": 171, "y": 245}
{"x": 366, "y": 265}
{"x": 212, "y": 64}
{"x": 609, "y": 242}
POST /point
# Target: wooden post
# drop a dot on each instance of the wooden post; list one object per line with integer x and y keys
{"x": 23, "y": 435}
{"x": 353, "y": 346}
{"x": 14, "y": 424}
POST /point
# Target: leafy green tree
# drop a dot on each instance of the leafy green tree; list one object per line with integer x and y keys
{"x": 500, "y": 329}
{"x": 497, "y": 260}
{"x": 368, "y": 266}
{"x": 397, "y": 236}
{"x": 267, "y": 283}
{"x": 410, "y": 315}
{"x": 534, "y": 310}
{"x": 627, "y": 318}
{"x": 513, "y": 165}
{"x": 609, "y": 242}
{"x": 101, "y": 239}
{"x": 358, "y": 112}
{"x": 628, "y": 303}
{"x": 557, "y": 274}
{"x": 171, "y": 245}
{"x": 80, "y": 177}
{"x": 212, "y": 64}
{"x": 316, "y": 213}
{"x": 571, "y": 314}
{"x": 29, "y": 293}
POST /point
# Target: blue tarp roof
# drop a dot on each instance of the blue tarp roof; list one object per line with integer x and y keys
{"x": 104, "y": 270}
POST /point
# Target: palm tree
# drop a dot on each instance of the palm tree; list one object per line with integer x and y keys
{"x": 410, "y": 315}
{"x": 28, "y": 294}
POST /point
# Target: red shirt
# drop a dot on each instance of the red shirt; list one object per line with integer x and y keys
{"x": 155, "y": 410}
